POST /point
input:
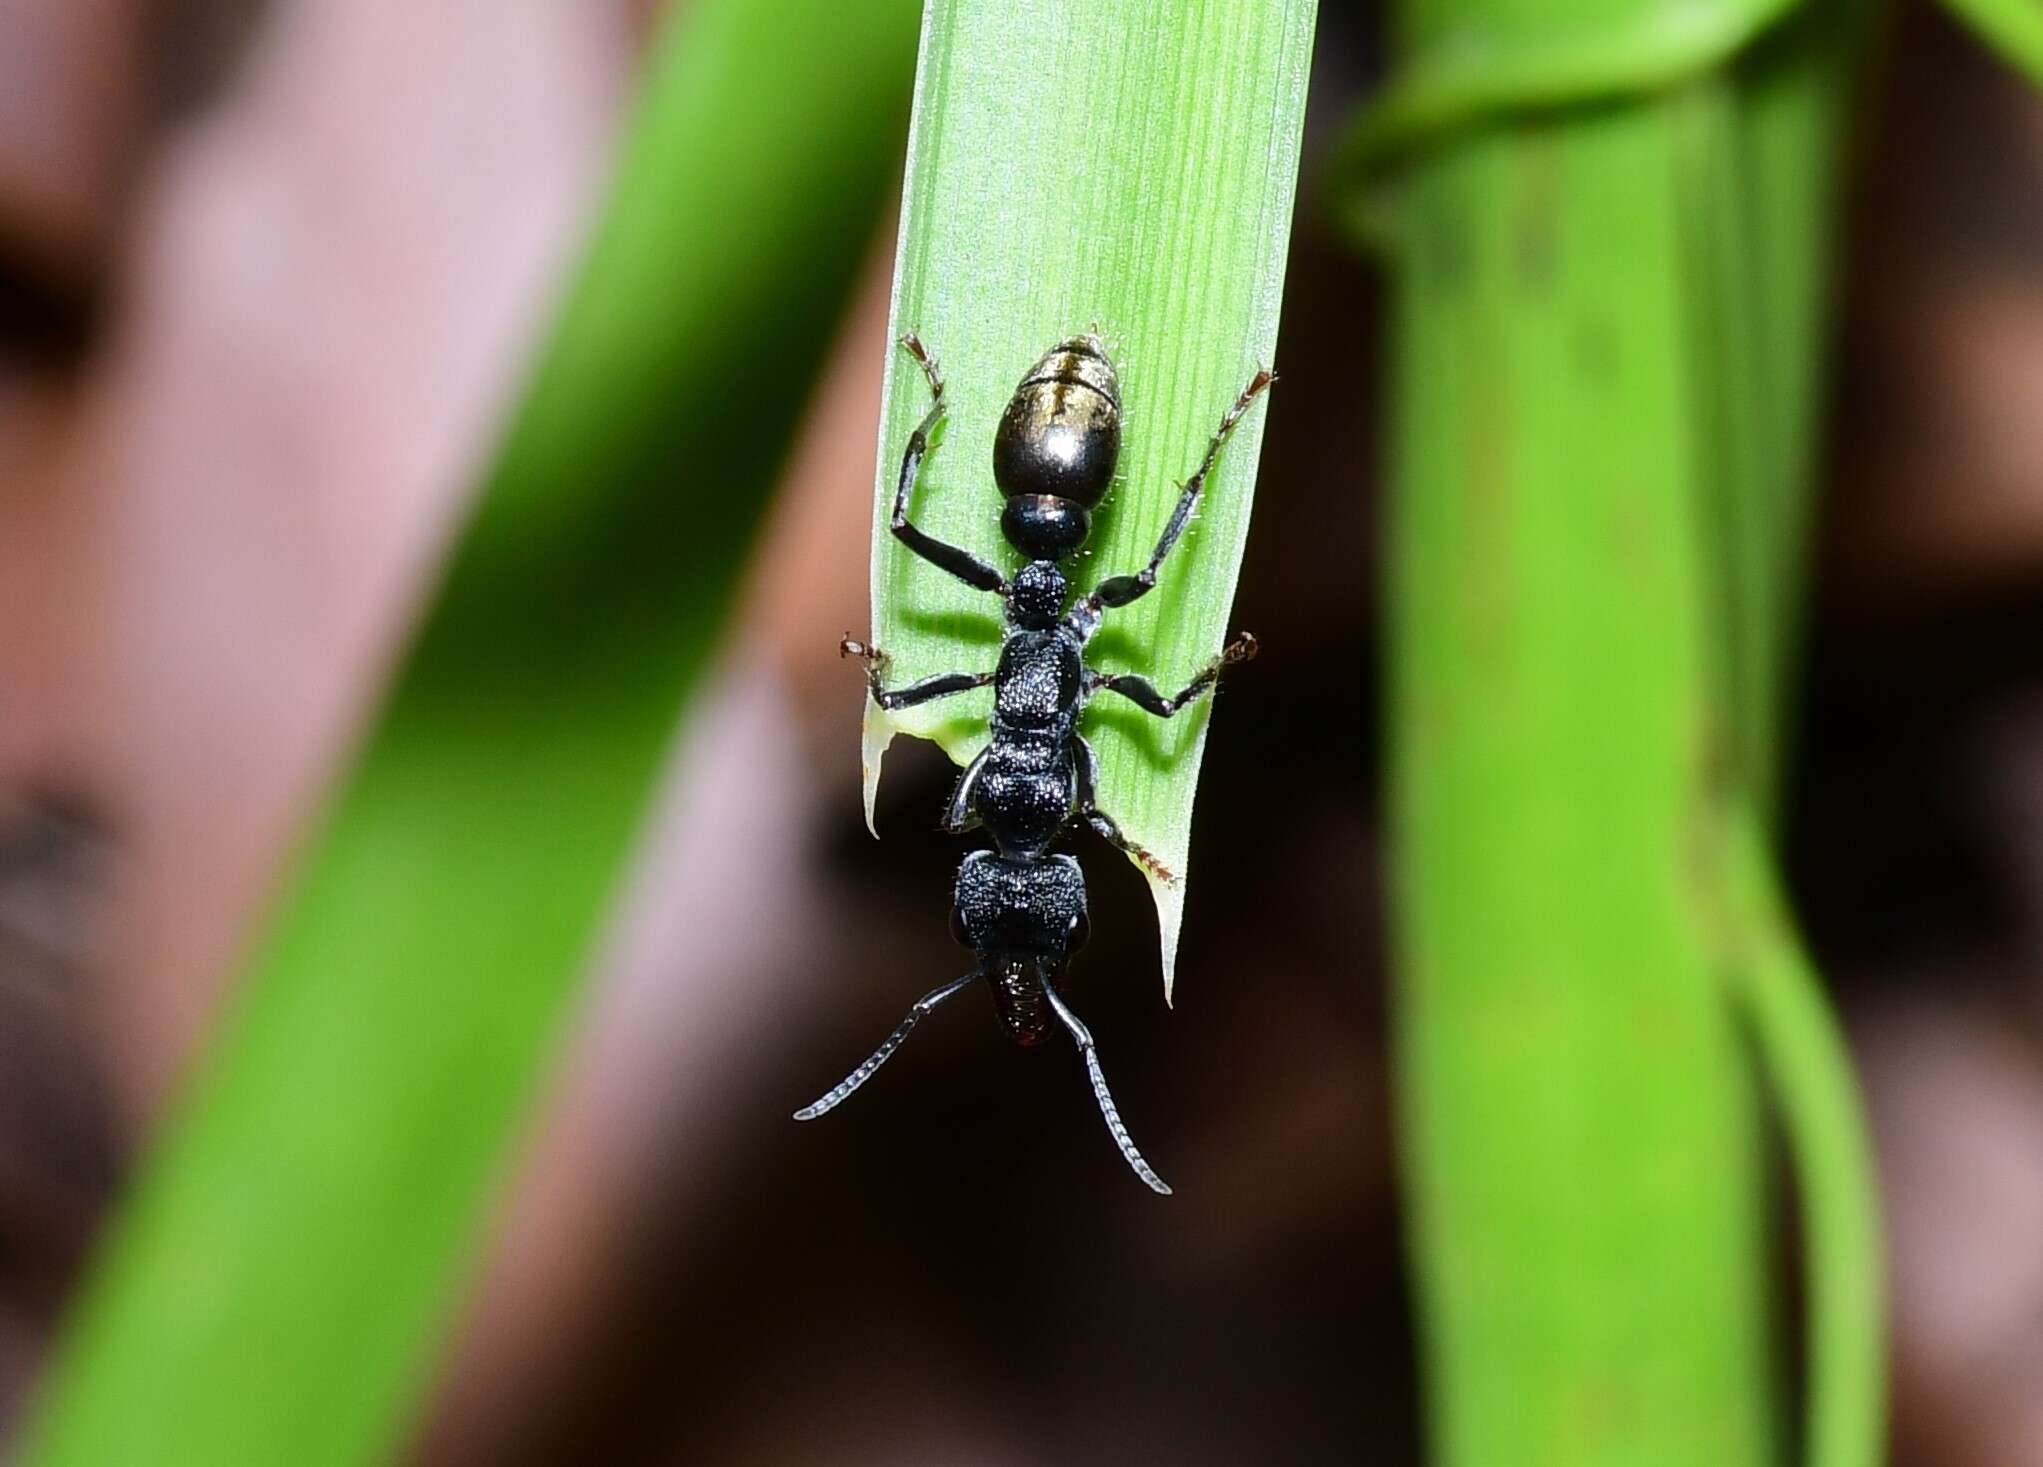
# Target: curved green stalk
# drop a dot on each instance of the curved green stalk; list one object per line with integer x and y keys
{"x": 1814, "y": 1087}
{"x": 1124, "y": 165}
{"x": 276, "y": 1290}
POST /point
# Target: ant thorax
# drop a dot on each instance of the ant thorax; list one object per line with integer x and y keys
{"x": 1036, "y": 596}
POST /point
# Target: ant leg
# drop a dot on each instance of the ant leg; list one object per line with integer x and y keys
{"x": 1120, "y": 590}
{"x": 1115, "y": 1127}
{"x": 1101, "y": 821}
{"x": 1141, "y": 692}
{"x": 959, "y": 817}
{"x": 851, "y": 1082}
{"x": 941, "y": 686}
{"x": 966, "y": 566}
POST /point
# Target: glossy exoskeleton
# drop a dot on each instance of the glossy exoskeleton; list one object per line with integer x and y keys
{"x": 1018, "y": 907}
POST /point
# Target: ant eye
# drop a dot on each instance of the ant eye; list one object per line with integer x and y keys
{"x": 1081, "y": 933}
{"x": 958, "y": 934}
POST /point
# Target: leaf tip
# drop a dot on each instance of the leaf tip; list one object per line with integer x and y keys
{"x": 1168, "y": 892}
{"x": 876, "y": 735}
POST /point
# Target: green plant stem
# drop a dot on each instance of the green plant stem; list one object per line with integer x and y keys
{"x": 1610, "y": 319}
{"x": 1581, "y": 1132}
{"x": 1816, "y": 1092}
{"x": 1762, "y": 145}
{"x": 277, "y": 1288}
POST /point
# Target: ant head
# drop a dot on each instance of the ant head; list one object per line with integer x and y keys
{"x": 1020, "y": 910}
{"x": 1022, "y": 916}
{"x": 1035, "y": 598}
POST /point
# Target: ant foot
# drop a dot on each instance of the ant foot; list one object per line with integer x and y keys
{"x": 876, "y": 662}
{"x": 912, "y": 344}
{"x": 1153, "y": 866}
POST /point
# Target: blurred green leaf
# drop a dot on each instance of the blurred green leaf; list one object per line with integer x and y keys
{"x": 2012, "y": 28}
{"x": 1468, "y": 63}
{"x": 279, "y": 1284}
{"x": 1610, "y": 280}
{"x": 1581, "y": 1138}
{"x": 1125, "y": 165}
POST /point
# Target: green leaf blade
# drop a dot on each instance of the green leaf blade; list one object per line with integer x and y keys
{"x": 1127, "y": 166}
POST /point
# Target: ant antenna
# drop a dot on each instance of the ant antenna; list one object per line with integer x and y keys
{"x": 1099, "y": 1088}
{"x": 886, "y": 1050}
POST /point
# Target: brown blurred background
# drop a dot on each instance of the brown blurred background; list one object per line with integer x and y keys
{"x": 268, "y": 272}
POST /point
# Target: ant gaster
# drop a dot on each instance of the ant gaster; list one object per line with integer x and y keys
{"x": 1019, "y": 908}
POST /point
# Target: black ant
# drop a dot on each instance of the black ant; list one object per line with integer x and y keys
{"x": 1020, "y": 909}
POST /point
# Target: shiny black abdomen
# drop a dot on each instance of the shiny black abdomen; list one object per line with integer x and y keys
{"x": 1061, "y": 434}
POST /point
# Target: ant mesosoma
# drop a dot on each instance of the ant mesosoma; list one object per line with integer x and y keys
{"x": 1020, "y": 909}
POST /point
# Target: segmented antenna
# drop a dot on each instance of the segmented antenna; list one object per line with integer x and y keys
{"x": 880, "y": 1056}
{"x": 1099, "y": 1090}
